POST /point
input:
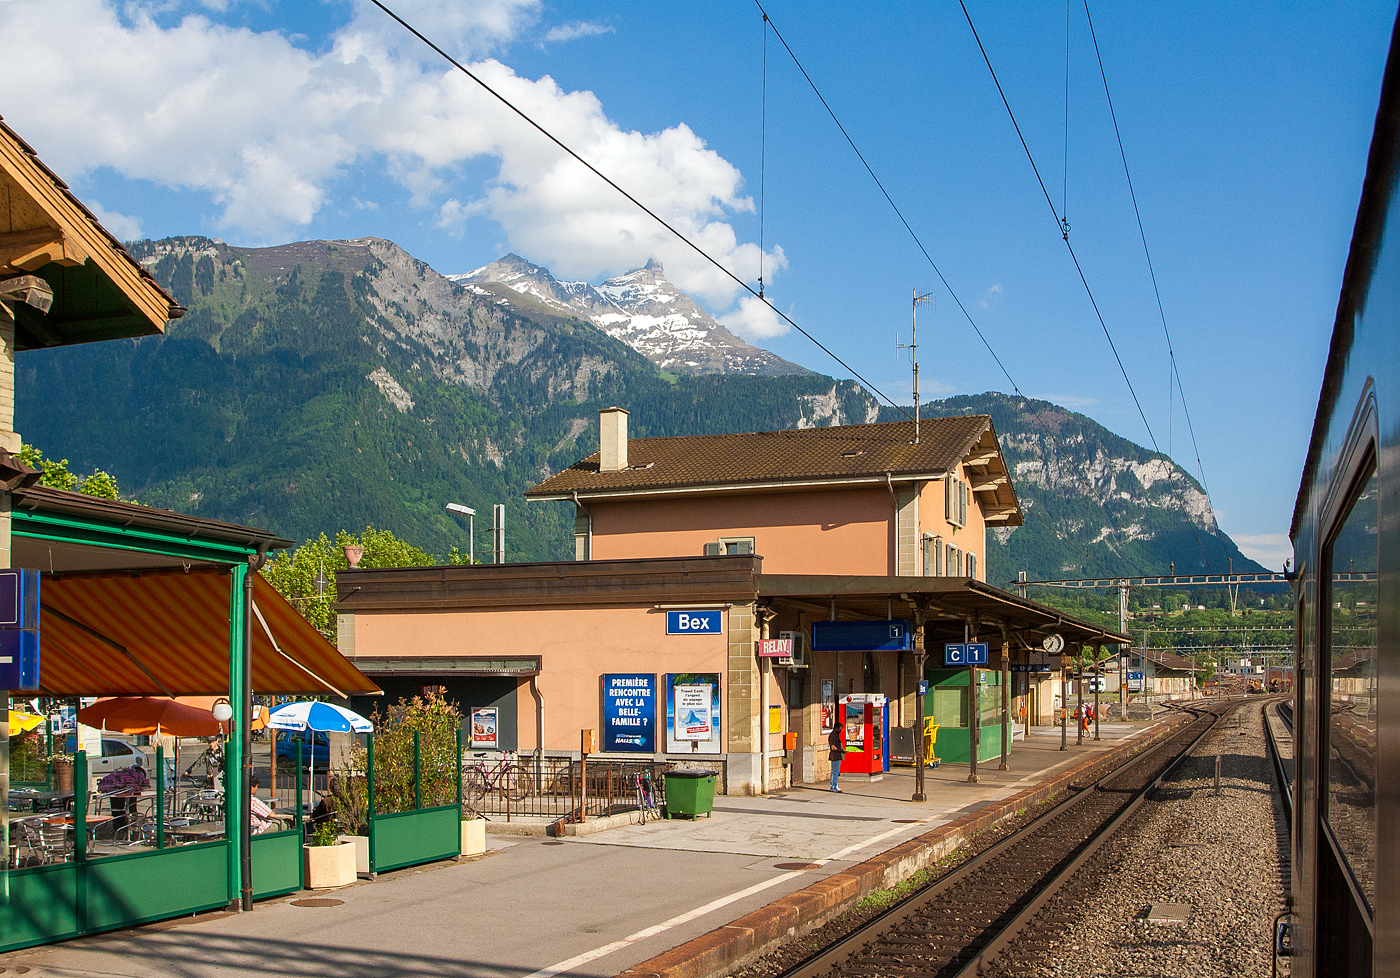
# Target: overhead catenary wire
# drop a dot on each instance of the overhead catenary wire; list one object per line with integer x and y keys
{"x": 1074, "y": 257}
{"x": 768, "y": 22}
{"x": 1064, "y": 232}
{"x": 633, "y": 200}
{"x": 1142, "y": 233}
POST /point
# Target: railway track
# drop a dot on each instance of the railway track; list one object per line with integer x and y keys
{"x": 1282, "y": 767}
{"x": 959, "y": 924}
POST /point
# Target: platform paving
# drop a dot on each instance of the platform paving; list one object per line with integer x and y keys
{"x": 591, "y": 906}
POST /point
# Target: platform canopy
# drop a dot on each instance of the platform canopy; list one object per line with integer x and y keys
{"x": 167, "y": 633}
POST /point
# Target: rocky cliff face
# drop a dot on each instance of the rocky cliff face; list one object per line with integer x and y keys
{"x": 643, "y": 310}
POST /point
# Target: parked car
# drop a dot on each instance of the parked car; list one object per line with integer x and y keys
{"x": 315, "y": 749}
{"x": 118, "y": 752}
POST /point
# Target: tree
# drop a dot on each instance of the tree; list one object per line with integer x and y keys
{"x": 306, "y": 577}
{"x": 55, "y": 475}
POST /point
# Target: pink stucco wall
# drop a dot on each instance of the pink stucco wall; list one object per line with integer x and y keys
{"x": 933, "y": 518}
{"x": 812, "y": 531}
{"x": 833, "y": 531}
{"x": 576, "y": 647}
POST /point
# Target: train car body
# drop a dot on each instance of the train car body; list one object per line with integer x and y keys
{"x": 1346, "y": 540}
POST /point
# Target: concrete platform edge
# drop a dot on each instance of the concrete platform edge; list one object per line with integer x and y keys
{"x": 742, "y": 941}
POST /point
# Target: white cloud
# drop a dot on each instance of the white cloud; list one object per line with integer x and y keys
{"x": 990, "y": 297}
{"x": 575, "y": 30}
{"x": 266, "y": 128}
{"x": 754, "y": 319}
{"x": 122, "y": 227}
{"x": 1269, "y": 549}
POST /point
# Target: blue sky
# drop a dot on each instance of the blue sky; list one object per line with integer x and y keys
{"x": 1246, "y": 127}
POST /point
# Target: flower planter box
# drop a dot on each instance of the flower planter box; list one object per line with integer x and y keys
{"x": 361, "y": 843}
{"x": 473, "y": 836}
{"x": 328, "y": 866}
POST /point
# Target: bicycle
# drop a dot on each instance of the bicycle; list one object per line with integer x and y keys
{"x": 646, "y": 796}
{"x": 505, "y": 776}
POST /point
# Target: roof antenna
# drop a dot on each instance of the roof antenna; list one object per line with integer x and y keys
{"x": 913, "y": 347}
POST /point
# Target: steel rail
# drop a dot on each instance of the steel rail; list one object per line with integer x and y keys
{"x": 850, "y": 946}
{"x": 1285, "y": 786}
{"x": 1018, "y": 923}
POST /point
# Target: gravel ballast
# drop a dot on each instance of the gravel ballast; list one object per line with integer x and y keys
{"x": 1219, "y": 861}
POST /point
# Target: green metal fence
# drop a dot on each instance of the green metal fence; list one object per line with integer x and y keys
{"x": 419, "y": 835}
{"x": 91, "y": 894}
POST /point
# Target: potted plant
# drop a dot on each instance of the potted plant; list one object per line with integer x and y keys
{"x": 329, "y": 862}
{"x": 473, "y": 833}
{"x": 62, "y": 771}
{"x": 123, "y": 787}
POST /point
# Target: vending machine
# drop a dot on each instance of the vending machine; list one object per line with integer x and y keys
{"x": 866, "y": 720}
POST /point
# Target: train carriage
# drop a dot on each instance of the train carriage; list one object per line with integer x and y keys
{"x": 1346, "y": 824}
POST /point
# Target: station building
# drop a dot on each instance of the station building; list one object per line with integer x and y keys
{"x": 864, "y": 546}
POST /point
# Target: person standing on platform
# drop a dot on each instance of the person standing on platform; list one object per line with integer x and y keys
{"x": 838, "y": 751}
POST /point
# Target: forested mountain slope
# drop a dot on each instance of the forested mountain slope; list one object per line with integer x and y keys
{"x": 334, "y": 384}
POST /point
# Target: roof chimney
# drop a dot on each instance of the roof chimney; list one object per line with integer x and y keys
{"x": 612, "y": 439}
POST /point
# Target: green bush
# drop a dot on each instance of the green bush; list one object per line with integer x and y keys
{"x": 436, "y": 723}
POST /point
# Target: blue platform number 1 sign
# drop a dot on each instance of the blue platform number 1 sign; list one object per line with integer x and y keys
{"x": 19, "y": 629}
{"x": 969, "y": 654}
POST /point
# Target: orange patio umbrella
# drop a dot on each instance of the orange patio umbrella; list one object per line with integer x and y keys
{"x": 182, "y": 716}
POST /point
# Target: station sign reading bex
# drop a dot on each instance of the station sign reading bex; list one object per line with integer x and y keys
{"x": 695, "y": 622}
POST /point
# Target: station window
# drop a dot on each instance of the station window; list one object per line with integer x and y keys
{"x": 1350, "y": 571}
{"x": 933, "y": 556}
{"x": 955, "y": 500}
{"x": 971, "y": 565}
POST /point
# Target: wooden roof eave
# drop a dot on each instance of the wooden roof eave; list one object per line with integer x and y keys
{"x": 80, "y": 237}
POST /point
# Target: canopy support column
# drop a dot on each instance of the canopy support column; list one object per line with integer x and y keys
{"x": 235, "y": 792}
{"x": 244, "y": 717}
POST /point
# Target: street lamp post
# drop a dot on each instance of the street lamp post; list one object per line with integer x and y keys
{"x": 457, "y": 509}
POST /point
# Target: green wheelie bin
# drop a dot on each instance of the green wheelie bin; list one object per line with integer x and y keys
{"x": 690, "y": 792}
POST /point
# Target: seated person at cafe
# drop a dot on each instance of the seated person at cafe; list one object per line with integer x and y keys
{"x": 264, "y": 819}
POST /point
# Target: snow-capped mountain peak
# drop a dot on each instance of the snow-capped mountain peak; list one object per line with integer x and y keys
{"x": 643, "y": 310}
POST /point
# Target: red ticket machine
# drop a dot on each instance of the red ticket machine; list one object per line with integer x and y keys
{"x": 864, "y": 717}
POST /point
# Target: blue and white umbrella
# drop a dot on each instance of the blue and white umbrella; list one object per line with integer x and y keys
{"x": 317, "y": 716}
{"x": 323, "y": 717}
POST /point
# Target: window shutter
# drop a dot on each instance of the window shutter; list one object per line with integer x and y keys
{"x": 745, "y": 546}
{"x": 962, "y": 502}
{"x": 938, "y": 556}
{"x": 713, "y": 550}
{"x": 949, "y": 512}
{"x": 971, "y": 565}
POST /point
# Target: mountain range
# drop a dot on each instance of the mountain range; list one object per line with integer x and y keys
{"x": 322, "y": 385}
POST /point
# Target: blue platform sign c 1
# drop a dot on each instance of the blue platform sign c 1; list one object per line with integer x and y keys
{"x": 969, "y": 654}
{"x": 695, "y": 622}
{"x": 629, "y": 712}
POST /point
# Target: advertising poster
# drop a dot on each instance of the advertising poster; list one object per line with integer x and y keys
{"x": 484, "y": 727}
{"x": 693, "y": 712}
{"x": 828, "y": 705}
{"x": 629, "y": 712}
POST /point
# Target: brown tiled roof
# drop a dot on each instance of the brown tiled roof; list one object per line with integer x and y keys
{"x": 1170, "y": 660}
{"x": 799, "y": 455}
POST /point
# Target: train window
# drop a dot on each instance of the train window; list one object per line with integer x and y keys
{"x": 1353, "y": 559}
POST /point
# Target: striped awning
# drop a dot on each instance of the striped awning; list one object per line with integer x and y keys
{"x": 167, "y": 634}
